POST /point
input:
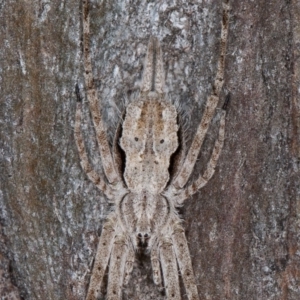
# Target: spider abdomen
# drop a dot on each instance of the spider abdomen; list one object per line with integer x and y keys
{"x": 149, "y": 138}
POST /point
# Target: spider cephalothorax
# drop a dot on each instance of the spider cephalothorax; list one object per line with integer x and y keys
{"x": 145, "y": 194}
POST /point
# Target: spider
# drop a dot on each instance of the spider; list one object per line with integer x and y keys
{"x": 144, "y": 193}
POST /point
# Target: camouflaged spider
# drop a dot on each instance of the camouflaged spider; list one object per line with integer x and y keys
{"x": 144, "y": 195}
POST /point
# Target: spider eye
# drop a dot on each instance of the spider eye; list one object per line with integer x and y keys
{"x": 136, "y": 139}
{"x": 162, "y": 141}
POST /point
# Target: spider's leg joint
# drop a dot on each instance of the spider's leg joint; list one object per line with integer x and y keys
{"x": 226, "y": 102}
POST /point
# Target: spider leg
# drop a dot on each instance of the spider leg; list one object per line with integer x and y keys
{"x": 117, "y": 268}
{"x": 211, "y": 105}
{"x": 210, "y": 170}
{"x": 90, "y": 172}
{"x": 156, "y": 266}
{"x": 128, "y": 265}
{"x": 153, "y": 75}
{"x": 184, "y": 262}
{"x": 104, "y": 250}
{"x": 169, "y": 269}
{"x": 106, "y": 156}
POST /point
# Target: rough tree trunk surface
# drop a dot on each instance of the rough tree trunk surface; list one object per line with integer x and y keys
{"x": 243, "y": 228}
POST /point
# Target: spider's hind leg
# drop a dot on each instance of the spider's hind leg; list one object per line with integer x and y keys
{"x": 211, "y": 104}
{"x": 210, "y": 169}
{"x": 104, "y": 148}
{"x": 84, "y": 161}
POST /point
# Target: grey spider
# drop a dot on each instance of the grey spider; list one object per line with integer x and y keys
{"x": 145, "y": 195}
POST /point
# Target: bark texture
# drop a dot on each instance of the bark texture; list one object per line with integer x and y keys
{"x": 243, "y": 228}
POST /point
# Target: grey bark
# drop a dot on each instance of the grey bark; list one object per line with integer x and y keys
{"x": 242, "y": 228}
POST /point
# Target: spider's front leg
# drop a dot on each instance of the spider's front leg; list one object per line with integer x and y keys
{"x": 172, "y": 253}
{"x": 155, "y": 262}
{"x": 184, "y": 261}
{"x": 112, "y": 247}
{"x": 103, "y": 254}
{"x": 169, "y": 269}
{"x": 119, "y": 267}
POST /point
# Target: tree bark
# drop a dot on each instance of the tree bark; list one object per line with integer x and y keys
{"x": 242, "y": 227}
